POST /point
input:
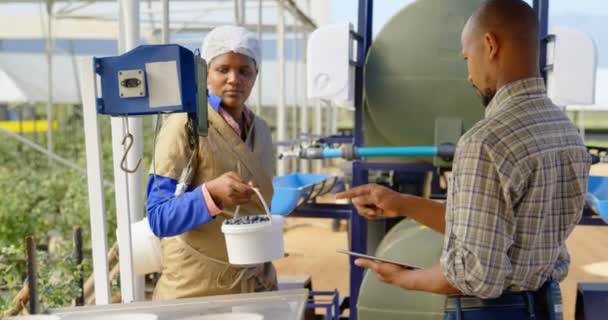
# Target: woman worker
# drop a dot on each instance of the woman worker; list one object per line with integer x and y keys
{"x": 236, "y": 154}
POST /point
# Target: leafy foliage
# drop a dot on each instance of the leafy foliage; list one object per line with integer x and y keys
{"x": 47, "y": 200}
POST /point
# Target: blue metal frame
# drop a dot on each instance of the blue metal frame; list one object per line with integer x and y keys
{"x": 541, "y": 7}
{"x": 358, "y": 224}
{"x": 330, "y": 300}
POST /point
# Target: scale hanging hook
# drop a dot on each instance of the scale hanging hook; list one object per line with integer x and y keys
{"x": 123, "y": 161}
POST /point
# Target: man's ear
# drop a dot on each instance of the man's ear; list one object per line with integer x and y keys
{"x": 492, "y": 46}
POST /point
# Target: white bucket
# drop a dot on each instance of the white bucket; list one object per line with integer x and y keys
{"x": 146, "y": 248}
{"x": 255, "y": 243}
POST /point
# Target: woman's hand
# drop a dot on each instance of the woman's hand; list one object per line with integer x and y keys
{"x": 229, "y": 190}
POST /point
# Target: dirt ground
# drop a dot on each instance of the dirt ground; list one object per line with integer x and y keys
{"x": 311, "y": 245}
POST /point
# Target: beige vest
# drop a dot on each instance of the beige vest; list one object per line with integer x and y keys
{"x": 195, "y": 262}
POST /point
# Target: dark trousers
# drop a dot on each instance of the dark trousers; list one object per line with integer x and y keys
{"x": 543, "y": 304}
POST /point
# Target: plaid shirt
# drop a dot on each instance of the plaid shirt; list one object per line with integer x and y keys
{"x": 517, "y": 191}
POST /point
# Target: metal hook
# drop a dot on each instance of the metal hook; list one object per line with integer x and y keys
{"x": 123, "y": 161}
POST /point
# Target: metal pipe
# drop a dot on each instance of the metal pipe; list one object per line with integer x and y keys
{"x": 258, "y": 106}
{"x": 304, "y": 128}
{"x": 165, "y": 36}
{"x": 77, "y": 254}
{"x": 541, "y": 7}
{"x": 281, "y": 136}
{"x": 318, "y": 130}
{"x": 294, "y": 105}
{"x": 239, "y": 12}
{"x": 165, "y": 31}
{"x": 94, "y": 172}
{"x": 128, "y": 187}
{"x": 422, "y": 151}
{"x": 49, "y": 59}
{"x": 32, "y": 275}
{"x": 358, "y": 225}
{"x": 135, "y": 127}
{"x": 295, "y": 11}
{"x": 350, "y": 153}
{"x": 242, "y": 12}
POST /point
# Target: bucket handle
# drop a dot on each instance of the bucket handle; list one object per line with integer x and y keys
{"x": 262, "y": 201}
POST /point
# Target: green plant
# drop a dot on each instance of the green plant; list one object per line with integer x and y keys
{"x": 43, "y": 200}
{"x": 58, "y": 276}
{"x": 12, "y": 268}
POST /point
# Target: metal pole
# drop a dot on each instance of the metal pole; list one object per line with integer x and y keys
{"x": 304, "y": 128}
{"x": 77, "y": 255}
{"x": 165, "y": 31}
{"x": 329, "y": 111}
{"x": 258, "y": 106}
{"x": 581, "y": 123}
{"x": 541, "y": 7}
{"x": 318, "y": 130}
{"x": 97, "y": 210}
{"x": 165, "y": 38}
{"x": 49, "y": 59}
{"x": 32, "y": 273}
{"x": 317, "y": 124}
{"x": 239, "y": 12}
{"x": 358, "y": 225}
{"x": 294, "y": 106}
{"x": 136, "y": 127}
{"x": 281, "y": 164}
{"x": 128, "y": 187}
{"x": 236, "y": 12}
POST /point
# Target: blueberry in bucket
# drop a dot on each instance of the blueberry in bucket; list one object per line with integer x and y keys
{"x": 247, "y": 220}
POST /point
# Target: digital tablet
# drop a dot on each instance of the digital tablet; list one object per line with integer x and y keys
{"x": 361, "y": 255}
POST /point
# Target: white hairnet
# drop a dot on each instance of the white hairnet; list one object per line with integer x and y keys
{"x": 226, "y": 39}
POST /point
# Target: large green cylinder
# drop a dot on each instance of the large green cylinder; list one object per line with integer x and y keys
{"x": 415, "y": 74}
{"x": 411, "y": 243}
{"x": 416, "y": 93}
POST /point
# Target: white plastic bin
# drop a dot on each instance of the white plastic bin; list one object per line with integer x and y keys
{"x": 146, "y": 248}
{"x": 257, "y": 242}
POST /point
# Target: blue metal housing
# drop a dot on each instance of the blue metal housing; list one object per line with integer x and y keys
{"x": 597, "y": 196}
{"x": 111, "y": 103}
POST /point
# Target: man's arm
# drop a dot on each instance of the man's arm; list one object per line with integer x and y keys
{"x": 428, "y": 280}
{"x": 480, "y": 227}
{"x": 425, "y": 211}
{"x": 373, "y": 201}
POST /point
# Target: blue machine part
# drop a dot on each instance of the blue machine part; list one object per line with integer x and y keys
{"x": 295, "y": 189}
{"x": 597, "y": 196}
{"x": 149, "y": 79}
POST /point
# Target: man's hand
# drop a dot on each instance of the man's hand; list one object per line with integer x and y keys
{"x": 373, "y": 201}
{"x": 229, "y": 189}
{"x": 428, "y": 280}
{"x": 387, "y": 272}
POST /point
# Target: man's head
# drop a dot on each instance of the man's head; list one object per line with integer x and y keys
{"x": 500, "y": 44}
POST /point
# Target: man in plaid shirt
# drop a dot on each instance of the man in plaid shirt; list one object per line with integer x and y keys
{"x": 519, "y": 177}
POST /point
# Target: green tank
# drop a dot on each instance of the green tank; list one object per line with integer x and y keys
{"x": 411, "y": 243}
{"x": 416, "y": 93}
{"x": 416, "y": 84}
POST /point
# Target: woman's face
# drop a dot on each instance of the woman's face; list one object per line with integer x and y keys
{"x": 231, "y": 76}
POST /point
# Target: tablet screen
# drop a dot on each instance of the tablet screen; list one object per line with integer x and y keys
{"x": 361, "y": 255}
